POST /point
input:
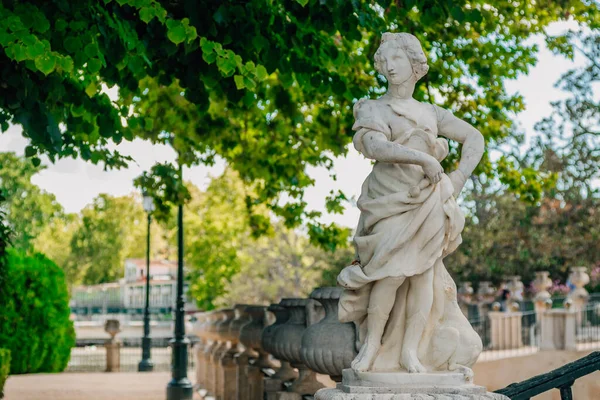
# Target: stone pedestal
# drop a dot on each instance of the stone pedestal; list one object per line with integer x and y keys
{"x": 558, "y": 330}
{"x": 113, "y": 356}
{"x": 505, "y": 330}
{"x": 405, "y": 386}
{"x": 255, "y": 382}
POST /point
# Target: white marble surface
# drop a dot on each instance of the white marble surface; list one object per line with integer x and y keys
{"x": 398, "y": 290}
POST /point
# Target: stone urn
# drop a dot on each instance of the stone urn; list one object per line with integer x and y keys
{"x": 251, "y": 333}
{"x": 516, "y": 287}
{"x": 112, "y": 327}
{"x": 540, "y": 286}
{"x": 486, "y": 292}
{"x": 285, "y": 372}
{"x": 579, "y": 278}
{"x": 240, "y": 318}
{"x": 287, "y": 341}
{"x": 329, "y": 346}
{"x": 465, "y": 293}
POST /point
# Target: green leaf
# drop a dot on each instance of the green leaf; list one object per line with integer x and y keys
{"x": 94, "y": 65}
{"x": 91, "y": 50}
{"x": 19, "y": 52}
{"x": 30, "y": 151}
{"x": 176, "y": 32}
{"x": 91, "y": 89}
{"x": 249, "y": 83}
{"x": 147, "y": 14}
{"x": 261, "y": 73}
{"x": 149, "y": 123}
{"x": 66, "y": 64}
{"x": 239, "y": 81}
{"x": 36, "y": 162}
{"x": 36, "y": 49}
{"x": 46, "y": 63}
{"x": 60, "y": 25}
{"x": 302, "y": 2}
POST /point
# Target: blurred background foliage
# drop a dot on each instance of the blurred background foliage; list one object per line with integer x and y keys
{"x": 268, "y": 87}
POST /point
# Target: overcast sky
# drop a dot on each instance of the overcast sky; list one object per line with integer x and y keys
{"x": 75, "y": 183}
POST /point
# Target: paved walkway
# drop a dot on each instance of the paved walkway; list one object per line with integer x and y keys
{"x": 88, "y": 386}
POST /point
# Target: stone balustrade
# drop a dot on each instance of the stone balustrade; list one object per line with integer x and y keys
{"x": 286, "y": 350}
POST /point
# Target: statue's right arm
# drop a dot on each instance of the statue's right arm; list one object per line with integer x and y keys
{"x": 376, "y": 146}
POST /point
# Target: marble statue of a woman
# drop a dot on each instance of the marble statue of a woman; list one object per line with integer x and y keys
{"x": 398, "y": 290}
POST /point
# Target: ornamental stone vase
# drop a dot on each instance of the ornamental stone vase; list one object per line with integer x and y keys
{"x": 516, "y": 287}
{"x": 486, "y": 292}
{"x": 329, "y": 346}
{"x": 579, "y": 278}
{"x": 285, "y": 372}
{"x": 251, "y": 333}
{"x": 288, "y": 343}
{"x": 540, "y": 286}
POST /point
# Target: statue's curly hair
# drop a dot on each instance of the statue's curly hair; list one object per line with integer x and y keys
{"x": 411, "y": 45}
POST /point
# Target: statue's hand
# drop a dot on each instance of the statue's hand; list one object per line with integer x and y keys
{"x": 458, "y": 180}
{"x": 433, "y": 170}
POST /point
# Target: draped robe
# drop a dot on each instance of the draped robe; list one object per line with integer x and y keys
{"x": 399, "y": 235}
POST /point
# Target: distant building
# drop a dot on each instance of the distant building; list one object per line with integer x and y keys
{"x": 128, "y": 295}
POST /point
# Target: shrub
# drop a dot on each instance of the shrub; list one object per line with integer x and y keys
{"x": 4, "y": 369}
{"x": 34, "y": 315}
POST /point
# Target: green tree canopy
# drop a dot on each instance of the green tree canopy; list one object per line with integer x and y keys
{"x": 266, "y": 85}
{"x": 28, "y": 208}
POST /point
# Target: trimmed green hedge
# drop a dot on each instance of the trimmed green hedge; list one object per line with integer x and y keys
{"x": 34, "y": 315}
{"x": 4, "y": 369}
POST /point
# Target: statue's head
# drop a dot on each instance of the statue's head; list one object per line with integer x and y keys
{"x": 400, "y": 57}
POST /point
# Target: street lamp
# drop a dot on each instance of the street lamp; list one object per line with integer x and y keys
{"x": 180, "y": 387}
{"x": 146, "y": 364}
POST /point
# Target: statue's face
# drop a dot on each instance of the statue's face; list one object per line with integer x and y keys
{"x": 396, "y": 66}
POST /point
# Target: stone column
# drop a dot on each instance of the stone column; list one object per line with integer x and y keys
{"x": 202, "y": 319}
{"x": 112, "y": 346}
{"x": 257, "y": 357}
{"x": 505, "y": 329}
{"x": 285, "y": 373}
{"x": 212, "y": 343}
{"x": 222, "y": 331}
{"x": 558, "y": 330}
{"x": 228, "y": 368}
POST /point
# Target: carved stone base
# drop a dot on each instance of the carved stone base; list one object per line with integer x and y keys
{"x": 404, "y": 386}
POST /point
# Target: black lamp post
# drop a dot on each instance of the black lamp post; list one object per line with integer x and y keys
{"x": 146, "y": 364}
{"x": 180, "y": 387}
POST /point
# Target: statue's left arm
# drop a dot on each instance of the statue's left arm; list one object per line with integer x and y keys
{"x": 472, "y": 150}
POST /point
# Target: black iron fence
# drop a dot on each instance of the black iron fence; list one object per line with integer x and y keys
{"x": 90, "y": 355}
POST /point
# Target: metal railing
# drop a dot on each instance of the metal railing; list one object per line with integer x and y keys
{"x": 561, "y": 378}
{"x": 91, "y": 355}
{"x": 587, "y": 333}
